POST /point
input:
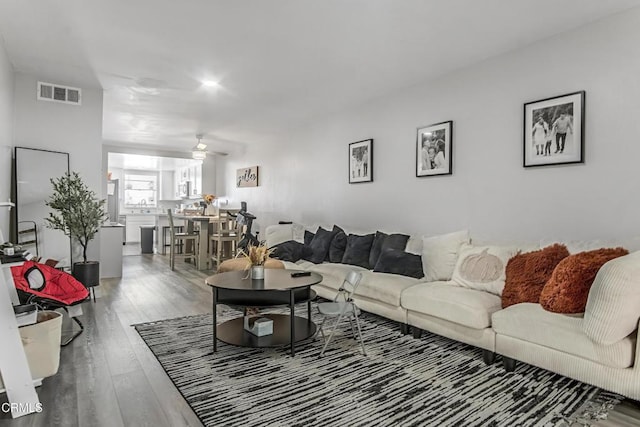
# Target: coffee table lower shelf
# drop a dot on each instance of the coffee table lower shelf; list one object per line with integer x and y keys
{"x": 233, "y": 332}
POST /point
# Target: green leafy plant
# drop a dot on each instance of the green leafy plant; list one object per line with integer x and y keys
{"x": 77, "y": 211}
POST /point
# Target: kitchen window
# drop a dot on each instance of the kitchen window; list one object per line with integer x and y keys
{"x": 140, "y": 190}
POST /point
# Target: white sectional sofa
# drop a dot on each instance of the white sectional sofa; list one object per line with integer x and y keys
{"x": 599, "y": 347}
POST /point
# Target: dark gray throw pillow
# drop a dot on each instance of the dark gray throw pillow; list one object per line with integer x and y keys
{"x": 396, "y": 261}
{"x": 358, "y": 250}
{"x": 308, "y": 237}
{"x": 320, "y": 245}
{"x": 291, "y": 251}
{"x": 335, "y": 232}
{"x": 384, "y": 241}
{"x": 338, "y": 246}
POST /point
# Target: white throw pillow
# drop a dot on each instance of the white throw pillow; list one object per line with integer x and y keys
{"x": 414, "y": 246}
{"x": 613, "y": 307}
{"x": 276, "y": 234}
{"x": 440, "y": 254}
{"x": 483, "y": 267}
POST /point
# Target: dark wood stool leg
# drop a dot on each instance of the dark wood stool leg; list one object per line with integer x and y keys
{"x": 488, "y": 357}
{"x": 417, "y": 332}
{"x": 509, "y": 364}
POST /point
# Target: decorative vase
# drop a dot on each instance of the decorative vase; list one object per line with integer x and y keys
{"x": 211, "y": 210}
{"x": 257, "y": 272}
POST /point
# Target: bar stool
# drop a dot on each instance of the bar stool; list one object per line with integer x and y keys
{"x": 167, "y": 229}
{"x": 177, "y": 239}
{"x": 224, "y": 238}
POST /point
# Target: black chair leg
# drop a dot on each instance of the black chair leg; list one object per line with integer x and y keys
{"x": 417, "y": 332}
{"x": 404, "y": 328}
{"x": 488, "y": 357}
{"x": 75, "y": 335}
{"x": 509, "y": 364}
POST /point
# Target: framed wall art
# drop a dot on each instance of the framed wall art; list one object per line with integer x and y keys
{"x": 361, "y": 161}
{"x": 554, "y": 131}
{"x": 247, "y": 177}
{"x": 434, "y": 154}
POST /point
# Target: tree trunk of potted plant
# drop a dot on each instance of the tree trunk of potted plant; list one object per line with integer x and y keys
{"x": 79, "y": 214}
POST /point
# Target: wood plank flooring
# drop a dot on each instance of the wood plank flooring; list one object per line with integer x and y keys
{"x": 108, "y": 377}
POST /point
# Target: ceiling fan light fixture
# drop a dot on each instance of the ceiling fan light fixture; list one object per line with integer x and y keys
{"x": 199, "y": 154}
{"x": 199, "y": 151}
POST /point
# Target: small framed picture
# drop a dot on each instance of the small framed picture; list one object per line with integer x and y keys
{"x": 433, "y": 149}
{"x": 247, "y": 177}
{"x": 361, "y": 161}
{"x": 554, "y": 131}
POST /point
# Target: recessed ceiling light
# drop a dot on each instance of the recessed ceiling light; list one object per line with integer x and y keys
{"x": 210, "y": 83}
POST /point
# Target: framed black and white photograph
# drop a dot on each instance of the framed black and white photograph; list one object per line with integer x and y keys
{"x": 361, "y": 161}
{"x": 433, "y": 150}
{"x": 554, "y": 131}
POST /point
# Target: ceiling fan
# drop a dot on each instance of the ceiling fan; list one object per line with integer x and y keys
{"x": 199, "y": 152}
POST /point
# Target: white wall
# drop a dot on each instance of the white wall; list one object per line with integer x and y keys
{"x": 76, "y": 130}
{"x": 6, "y": 135}
{"x": 304, "y": 173}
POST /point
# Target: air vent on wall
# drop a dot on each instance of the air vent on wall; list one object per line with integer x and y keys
{"x": 59, "y": 93}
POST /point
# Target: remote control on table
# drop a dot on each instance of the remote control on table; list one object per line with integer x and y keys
{"x": 300, "y": 274}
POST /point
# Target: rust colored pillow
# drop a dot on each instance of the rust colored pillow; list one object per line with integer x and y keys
{"x": 568, "y": 289}
{"x": 526, "y": 274}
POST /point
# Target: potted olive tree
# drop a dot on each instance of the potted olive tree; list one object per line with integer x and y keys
{"x": 79, "y": 214}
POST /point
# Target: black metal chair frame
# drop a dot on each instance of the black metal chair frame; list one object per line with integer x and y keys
{"x": 49, "y": 304}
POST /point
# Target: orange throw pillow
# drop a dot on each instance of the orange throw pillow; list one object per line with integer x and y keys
{"x": 568, "y": 289}
{"x": 526, "y": 274}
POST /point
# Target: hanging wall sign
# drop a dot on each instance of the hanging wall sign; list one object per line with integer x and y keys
{"x": 247, "y": 177}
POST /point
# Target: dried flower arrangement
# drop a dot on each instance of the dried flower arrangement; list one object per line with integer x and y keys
{"x": 208, "y": 198}
{"x": 256, "y": 255}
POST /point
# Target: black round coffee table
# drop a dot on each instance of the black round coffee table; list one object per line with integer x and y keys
{"x": 278, "y": 288}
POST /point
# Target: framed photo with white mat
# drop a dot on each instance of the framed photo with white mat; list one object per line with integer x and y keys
{"x": 554, "y": 131}
{"x": 434, "y": 155}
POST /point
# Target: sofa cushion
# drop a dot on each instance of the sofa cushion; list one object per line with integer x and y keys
{"x": 397, "y": 261}
{"x": 613, "y": 306}
{"x": 384, "y": 287}
{"x": 320, "y": 245}
{"x": 568, "y": 289}
{"x": 333, "y": 274}
{"x": 448, "y": 301}
{"x": 440, "y": 254}
{"x": 384, "y": 241}
{"x": 338, "y": 245}
{"x": 291, "y": 251}
{"x": 482, "y": 267}
{"x": 530, "y": 322}
{"x": 527, "y": 273}
{"x": 358, "y": 249}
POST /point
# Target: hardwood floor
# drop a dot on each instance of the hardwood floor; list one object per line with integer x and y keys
{"x": 108, "y": 377}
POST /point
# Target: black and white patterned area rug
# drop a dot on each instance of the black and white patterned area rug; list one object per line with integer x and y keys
{"x": 431, "y": 381}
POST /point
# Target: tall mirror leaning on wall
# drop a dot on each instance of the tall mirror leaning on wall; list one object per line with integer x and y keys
{"x": 33, "y": 170}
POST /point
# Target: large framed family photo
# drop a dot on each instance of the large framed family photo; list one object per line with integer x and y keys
{"x": 433, "y": 150}
{"x": 361, "y": 161}
{"x": 554, "y": 131}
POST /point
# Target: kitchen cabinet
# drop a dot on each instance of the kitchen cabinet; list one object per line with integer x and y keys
{"x": 111, "y": 251}
{"x": 168, "y": 186}
{"x": 133, "y": 224}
